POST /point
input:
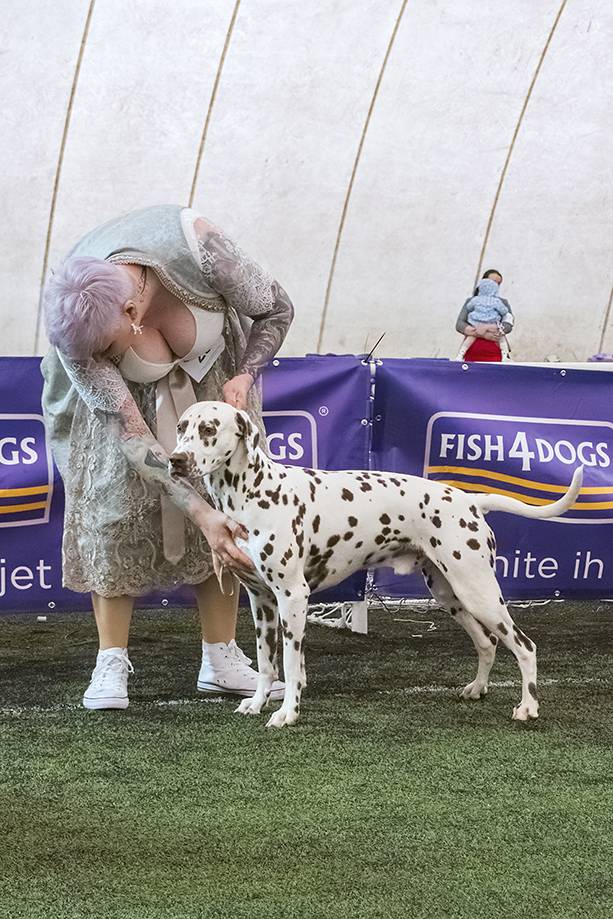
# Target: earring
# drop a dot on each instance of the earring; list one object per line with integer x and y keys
{"x": 137, "y": 329}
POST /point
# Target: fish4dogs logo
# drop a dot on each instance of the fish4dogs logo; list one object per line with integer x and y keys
{"x": 523, "y": 457}
{"x": 292, "y": 438}
{"x": 26, "y": 471}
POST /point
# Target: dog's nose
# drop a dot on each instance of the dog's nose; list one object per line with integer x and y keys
{"x": 177, "y": 463}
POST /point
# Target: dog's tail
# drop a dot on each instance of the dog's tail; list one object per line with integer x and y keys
{"x": 488, "y": 503}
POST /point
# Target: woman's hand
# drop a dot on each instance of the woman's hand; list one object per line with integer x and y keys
{"x": 235, "y": 390}
{"x": 220, "y": 532}
{"x": 470, "y": 330}
{"x": 491, "y": 332}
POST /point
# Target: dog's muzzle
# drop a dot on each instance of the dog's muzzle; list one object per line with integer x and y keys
{"x": 180, "y": 464}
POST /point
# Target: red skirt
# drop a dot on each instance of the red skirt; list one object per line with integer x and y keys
{"x": 483, "y": 349}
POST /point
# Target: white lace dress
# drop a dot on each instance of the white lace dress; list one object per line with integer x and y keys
{"x": 102, "y": 430}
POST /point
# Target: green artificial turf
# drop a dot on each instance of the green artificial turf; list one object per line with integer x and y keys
{"x": 387, "y": 799}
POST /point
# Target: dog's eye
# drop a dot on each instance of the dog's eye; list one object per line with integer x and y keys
{"x": 182, "y": 427}
{"x": 206, "y": 430}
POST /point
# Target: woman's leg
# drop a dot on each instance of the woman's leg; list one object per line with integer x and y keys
{"x": 113, "y": 617}
{"x": 224, "y": 667}
{"x": 217, "y": 612}
{"x": 108, "y": 687}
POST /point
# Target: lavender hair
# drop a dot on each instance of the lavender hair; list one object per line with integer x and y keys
{"x": 83, "y": 303}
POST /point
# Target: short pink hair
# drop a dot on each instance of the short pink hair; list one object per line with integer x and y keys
{"x": 83, "y": 303}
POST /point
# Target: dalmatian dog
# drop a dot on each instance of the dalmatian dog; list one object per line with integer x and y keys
{"x": 309, "y": 529}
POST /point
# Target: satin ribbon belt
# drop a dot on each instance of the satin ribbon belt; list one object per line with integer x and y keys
{"x": 174, "y": 394}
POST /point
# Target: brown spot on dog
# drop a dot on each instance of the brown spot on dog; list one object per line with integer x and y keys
{"x": 457, "y": 554}
{"x": 316, "y": 522}
{"x": 473, "y": 544}
{"x": 532, "y": 690}
{"x": 352, "y": 521}
{"x": 347, "y": 495}
{"x": 271, "y": 641}
{"x": 522, "y": 639}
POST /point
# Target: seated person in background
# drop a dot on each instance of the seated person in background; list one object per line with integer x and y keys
{"x": 484, "y": 320}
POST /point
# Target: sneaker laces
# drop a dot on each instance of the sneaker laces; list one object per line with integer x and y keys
{"x": 111, "y": 663}
{"x": 238, "y": 656}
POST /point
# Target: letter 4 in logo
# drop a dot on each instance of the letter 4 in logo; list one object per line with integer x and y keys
{"x": 26, "y": 471}
{"x": 292, "y": 438}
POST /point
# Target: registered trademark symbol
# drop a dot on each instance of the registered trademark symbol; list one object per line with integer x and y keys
{"x": 323, "y": 410}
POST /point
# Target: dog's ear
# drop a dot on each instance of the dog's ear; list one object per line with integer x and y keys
{"x": 247, "y": 431}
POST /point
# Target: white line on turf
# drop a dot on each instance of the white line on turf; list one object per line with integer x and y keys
{"x": 407, "y": 690}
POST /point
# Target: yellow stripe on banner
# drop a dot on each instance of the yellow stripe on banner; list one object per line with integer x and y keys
{"x": 514, "y": 480}
{"x": 526, "y": 499}
{"x": 15, "y": 508}
{"x": 22, "y": 492}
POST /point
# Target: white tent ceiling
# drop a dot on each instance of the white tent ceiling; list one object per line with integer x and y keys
{"x": 375, "y": 155}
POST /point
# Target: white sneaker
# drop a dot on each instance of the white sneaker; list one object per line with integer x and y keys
{"x": 109, "y": 683}
{"x": 226, "y": 669}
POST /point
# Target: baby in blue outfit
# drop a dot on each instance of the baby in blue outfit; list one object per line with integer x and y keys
{"x": 486, "y": 308}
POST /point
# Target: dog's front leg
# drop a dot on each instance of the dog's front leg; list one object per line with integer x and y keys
{"x": 292, "y": 611}
{"x": 265, "y": 618}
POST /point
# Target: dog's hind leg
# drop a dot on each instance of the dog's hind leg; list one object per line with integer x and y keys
{"x": 265, "y": 618}
{"x": 292, "y": 611}
{"x": 480, "y": 595}
{"x": 484, "y": 641}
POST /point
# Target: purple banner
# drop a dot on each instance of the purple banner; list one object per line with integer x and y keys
{"x": 519, "y": 431}
{"x": 314, "y": 415}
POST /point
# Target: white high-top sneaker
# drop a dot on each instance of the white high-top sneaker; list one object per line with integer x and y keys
{"x": 109, "y": 683}
{"x": 226, "y": 669}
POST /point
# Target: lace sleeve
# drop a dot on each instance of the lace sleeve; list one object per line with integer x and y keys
{"x": 250, "y": 290}
{"x": 103, "y": 390}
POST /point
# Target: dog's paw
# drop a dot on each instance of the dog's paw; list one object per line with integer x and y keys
{"x": 282, "y": 717}
{"x": 526, "y": 711}
{"x": 474, "y": 691}
{"x": 250, "y": 707}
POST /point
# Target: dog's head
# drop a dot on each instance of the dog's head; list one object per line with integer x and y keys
{"x": 208, "y": 435}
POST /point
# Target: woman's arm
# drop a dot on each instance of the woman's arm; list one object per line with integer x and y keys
{"x": 103, "y": 390}
{"x": 508, "y": 320}
{"x": 462, "y": 325}
{"x": 250, "y": 290}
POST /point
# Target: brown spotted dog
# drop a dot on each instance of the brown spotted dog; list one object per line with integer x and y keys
{"x": 309, "y": 529}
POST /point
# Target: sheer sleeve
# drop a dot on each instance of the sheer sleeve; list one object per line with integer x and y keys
{"x": 104, "y": 392}
{"x": 249, "y": 290}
